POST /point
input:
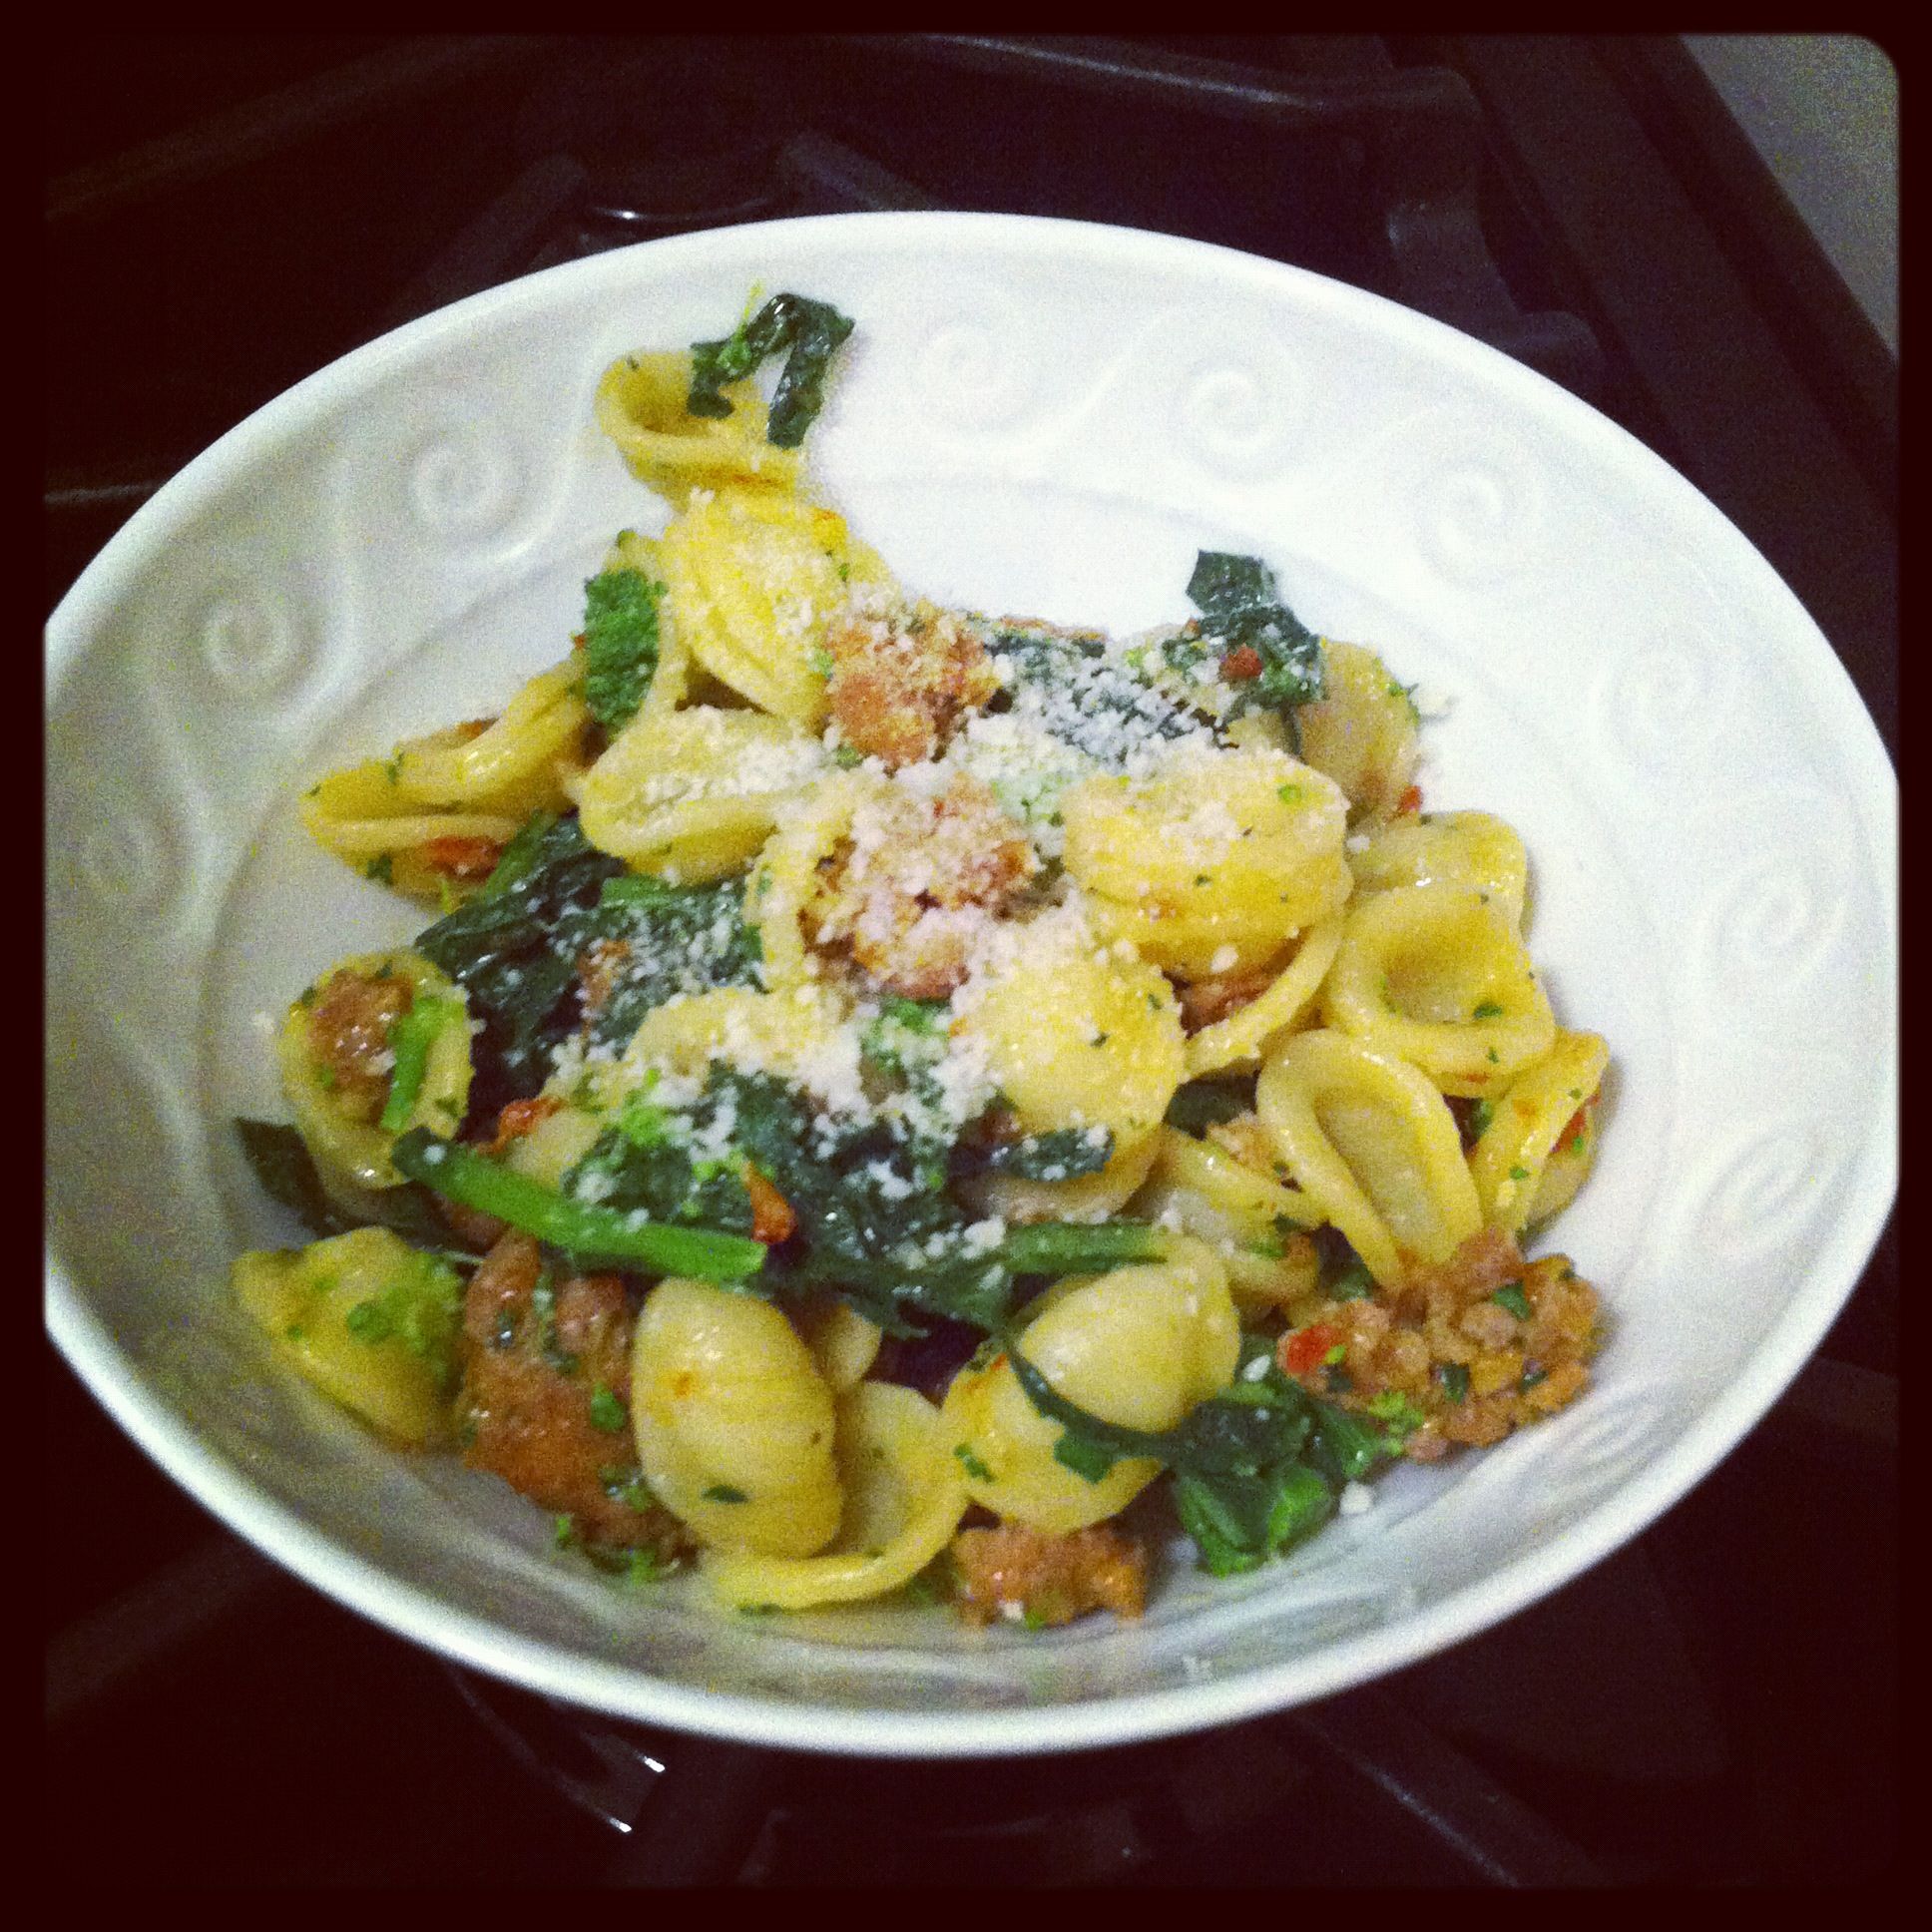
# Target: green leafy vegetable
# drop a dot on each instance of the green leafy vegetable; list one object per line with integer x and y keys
{"x": 287, "y": 1170}
{"x": 1238, "y": 1521}
{"x": 514, "y": 951}
{"x": 1353, "y": 1283}
{"x": 1345, "y": 1446}
{"x": 412, "y": 1036}
{"x": 647, "y": 1161}
{"x": 677, "y": 939}
{"x": 525, "y": 851}
{"x": 1063, "y": 1155}
{"x": 608, "y": 1411}
{"x": 1239, "y": 604}
{"x": 1087, "y": 697}
{"x": 1199, "y": 1105}
{"x": 620, "y": 643}
{"x": 581, "y": 1228}
{"x": 811, "y": 330}
{"x": 1241, "y": 1486}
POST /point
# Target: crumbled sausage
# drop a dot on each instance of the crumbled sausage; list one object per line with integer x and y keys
{"x": 539, "y": 1390}
{"x": 462, "y": 858}
{"x": 902, "y": 679}
{"x": 1206, "y": 1001}
{"x": 1049, "y": 1578}
{"x": 521, "y": 1116}
{"x": 474, "y": 1228}
{"x": 916, "y": 882}
{"x": 598, "y": 968}
{"x": 1467, "y": 1369}
{"x": 348, "y": 1038}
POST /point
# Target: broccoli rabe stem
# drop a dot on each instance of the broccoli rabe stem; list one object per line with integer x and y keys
{"x": 579, "y": 1228}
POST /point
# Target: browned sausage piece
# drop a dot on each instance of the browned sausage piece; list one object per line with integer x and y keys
{"x": 547, "y": 1381}
{"x": 1048, "y": 1578}
{"x": 348, "y": 1038}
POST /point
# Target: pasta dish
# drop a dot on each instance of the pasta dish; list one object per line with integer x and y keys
{"x": 896, "y": 1100}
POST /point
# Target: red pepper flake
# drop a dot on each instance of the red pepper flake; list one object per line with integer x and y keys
{"x": 1579, "y": 1124}
{"x": 520, "y": 1117}
{"x": 772, "y": 1219}
{"x": 577, "y": 643}
{"x": 1410, "y": 801}
{"x": 1302, "y": 1351}
{"x": 1241, "y": 664}
{"x": 462, "y": 858}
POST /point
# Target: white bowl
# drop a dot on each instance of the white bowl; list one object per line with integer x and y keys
{"x": 1035, "y": 416}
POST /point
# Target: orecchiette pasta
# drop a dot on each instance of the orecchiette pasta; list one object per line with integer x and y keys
{"x": 1251, "y": 1221}
{"x": 1511, "y": 1159}
{"x": 1362, "y": 730}
{"x": 903, "y": 1497}
{"x": 1436, "y": 975}
{"x": 1140, "y": 1348}
{"x": 1471, "y": 849}
{"x": 1373, "y": 1144}
{"x": 756, "y": 577}
{"x": 733, "y": 1422}
{"x": 1086, "y": 1041}
{"x": 332, "y": 1082}
{"x": 367, "y": 1319}
{"x": 694, "y": 794}
{"x": 641, "y": 407}
{"x": 1244, "y": 1035}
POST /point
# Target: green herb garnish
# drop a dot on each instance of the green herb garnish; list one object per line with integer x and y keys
{"x": 1512, "y": 1297}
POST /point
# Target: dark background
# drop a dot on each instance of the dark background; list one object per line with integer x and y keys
{"x": 226, "y": 215}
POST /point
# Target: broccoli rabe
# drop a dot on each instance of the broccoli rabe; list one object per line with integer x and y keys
{"x": 620, "y": 645}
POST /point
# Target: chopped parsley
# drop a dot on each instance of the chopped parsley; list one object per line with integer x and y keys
{"x": 971, "y": 1463}
{"x": 1399, "y": 1413}
{"x": 608, "y": 1411}
{"x": 423, "y": 1308}
{"x": 1512, "y": 1297}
